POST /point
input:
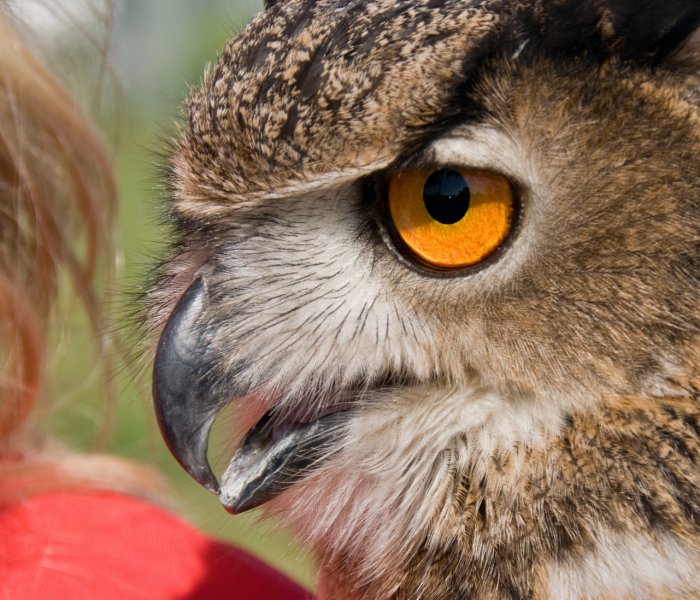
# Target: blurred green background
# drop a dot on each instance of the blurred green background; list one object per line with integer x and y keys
{"x": 157, "y": 49}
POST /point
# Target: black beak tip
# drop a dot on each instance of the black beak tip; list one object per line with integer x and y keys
{"x": 205, "y": 477}
{"x": 190, "y": 449}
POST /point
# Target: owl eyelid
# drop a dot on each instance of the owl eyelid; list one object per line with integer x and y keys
{"x": 484, "y": 148}
{"x": 432, "y": 165}
{"x": 423, "y": 159}
{"x": 478, "y": 147}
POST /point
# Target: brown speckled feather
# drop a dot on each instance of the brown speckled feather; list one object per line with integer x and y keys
{"x": 631, "y": 465}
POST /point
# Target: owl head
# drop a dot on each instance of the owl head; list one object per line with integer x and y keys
{"x": 409, "y": 237}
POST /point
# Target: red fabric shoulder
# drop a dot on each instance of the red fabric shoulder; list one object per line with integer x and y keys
{"x": 106, "y": 546}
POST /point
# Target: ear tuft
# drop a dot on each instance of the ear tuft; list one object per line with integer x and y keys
{"x": 270, "y": 3}
{"x": 642, "y": 29}
{"x": 688, "y": 54}
{"x": 653, "y": 27}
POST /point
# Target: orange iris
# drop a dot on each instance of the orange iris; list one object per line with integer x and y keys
{"x": 451, "y": 218}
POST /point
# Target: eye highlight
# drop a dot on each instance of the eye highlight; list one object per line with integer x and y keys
{"x": 453, "y": 218}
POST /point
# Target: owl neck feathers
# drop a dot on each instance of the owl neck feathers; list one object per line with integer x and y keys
{"x": 492, "y": 513}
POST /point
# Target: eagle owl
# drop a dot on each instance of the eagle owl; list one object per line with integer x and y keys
{"x": 443, "y": 255}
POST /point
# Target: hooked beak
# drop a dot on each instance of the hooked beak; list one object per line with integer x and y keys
{"x": 187, "y": 399}
{"x": 185, "y": 405}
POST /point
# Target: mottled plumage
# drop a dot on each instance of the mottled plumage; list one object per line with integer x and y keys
{"x": 529, "y": 428}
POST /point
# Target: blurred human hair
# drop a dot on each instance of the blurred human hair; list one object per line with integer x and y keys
{"x": 57, "y": 209}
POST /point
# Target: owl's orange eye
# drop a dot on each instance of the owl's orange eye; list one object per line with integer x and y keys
{"x": 451, "y": 218}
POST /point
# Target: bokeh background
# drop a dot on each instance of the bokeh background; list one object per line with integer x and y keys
{"x": 154, "y": 50}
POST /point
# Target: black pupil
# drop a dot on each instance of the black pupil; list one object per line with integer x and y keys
{"x": 446, "y": 196}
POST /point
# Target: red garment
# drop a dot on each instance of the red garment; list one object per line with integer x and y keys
{"x": 106, "y": 546}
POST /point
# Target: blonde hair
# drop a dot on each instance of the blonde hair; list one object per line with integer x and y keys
{"x": 57, "y": 208}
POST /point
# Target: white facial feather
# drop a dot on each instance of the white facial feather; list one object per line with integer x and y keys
{"x": 391, "y": 473}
